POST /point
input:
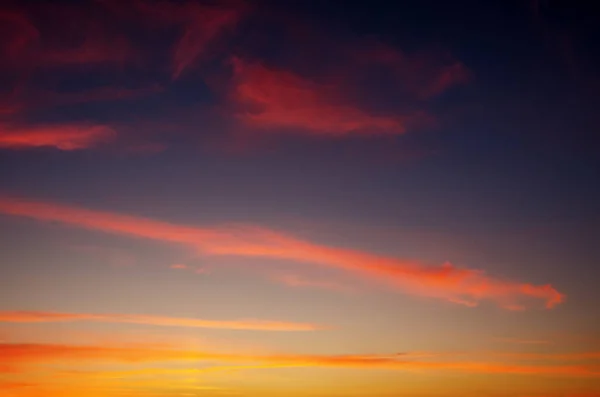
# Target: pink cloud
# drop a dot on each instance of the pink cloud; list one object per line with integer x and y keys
{"x": 447, "y": 282}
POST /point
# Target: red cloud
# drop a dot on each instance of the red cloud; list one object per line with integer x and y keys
{"x": 421, "y": 76}
{"x": 447, "y": 282}
{"x": 279, "y": 99}
{"x": 76, "y": 37}
{"x": 63, "y": 137}
{"x": 255, "y": 325}
{"x": 203, "y": 25}
{"x": 90, "y": 51}
{"x": 17, "y": 34}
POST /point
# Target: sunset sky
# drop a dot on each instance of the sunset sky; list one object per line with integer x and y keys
{"x": 299, "y": 198}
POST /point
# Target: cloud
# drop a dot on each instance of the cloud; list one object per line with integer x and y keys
{"x": 142, "y": 41}
{"x": 52, "y": 317}
{"x": 446, "y": 282}
{"x": 554, "y": 356}
{"x": 23, "y": 354}
{"x": 178, "y": 266}
{"x": 420, "y": 76}
{"x": 523, "y": 341}
{"x": 294, "y": 280}
{"x": 335, "y": 85}
{"x": 61, "y": 136}
{"x": 276, "y": 99}
{"x": 203, "y": 26}
{"x": 78, "y": 37}
{"x": 101, "y": 94}
{"x": 17, "y": 35}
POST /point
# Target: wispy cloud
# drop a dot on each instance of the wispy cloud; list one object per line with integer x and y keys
{"x": 203, "y": 25}
{"x": 80, "y": 38}
{"x": 53, "y": 317}
{"x": 421, "y": 76}
{"x": 23, "y": 354}
{"x": 294, "y": 280}
{"x": 178, "y": 266}
{"x": 60, "y": 136}
{"x": 553, "y": 356}
{"x": 276, "y": 99}
{"x": 447, "y": 282}
{"x": 520, "y": 341}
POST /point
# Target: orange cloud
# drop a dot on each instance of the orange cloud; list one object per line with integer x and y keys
{"x": 294, "y": 280}
{"x": 447, "y": 282}
{"x": 63, "y": 137}
{"x": 24, "y": 354}
{"x": 51, "y": 317}
{"x": 523, "y": 341}
{"x": 278, "y": 99}
{"x": 178, "y": 266}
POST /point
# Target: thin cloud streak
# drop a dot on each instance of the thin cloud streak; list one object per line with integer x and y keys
{"x": 294, "y": 280}
{"x": 556, "y": 356}
{"x": 178, "y": 266}
{"x": 519, "y": 341}
{"x": 205, "y": 25}
{"x": 24, "y": 354}
{"x": 65, "y": 137}
{"x": 454, "y": 284}
{"x": 252, "y": 325}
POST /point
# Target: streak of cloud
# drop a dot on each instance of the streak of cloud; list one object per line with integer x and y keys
{"x": 520, "y": 341}
{"x": 201, "y": 27}
{"x": 294, "y": 280}
{"x": 204, "y": 26}
{"x": 554, "y": 356}
{"x": 24, "y": 354}
{"x": 53, "y": 317}
{"x": 447, "y": 282}
{"x": 60, "y": 136}
{"x": 178, "y": 266}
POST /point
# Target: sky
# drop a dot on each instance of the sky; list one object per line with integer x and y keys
{"x": 299, "y": 198}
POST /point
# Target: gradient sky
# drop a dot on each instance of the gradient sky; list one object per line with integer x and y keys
{"x": 299, "y": 198}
